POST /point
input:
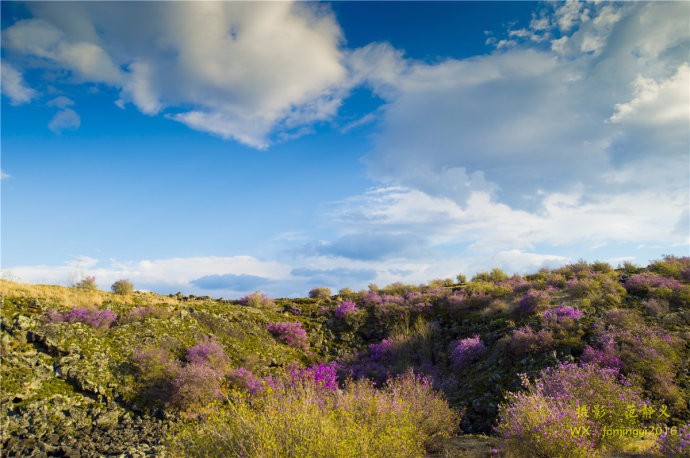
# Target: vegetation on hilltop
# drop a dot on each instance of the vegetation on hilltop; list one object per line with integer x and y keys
{"x": 550, "y": 363}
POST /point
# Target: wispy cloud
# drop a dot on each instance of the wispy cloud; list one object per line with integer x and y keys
{"x": 66, "y": 119}
{"x": 14, "y": 86}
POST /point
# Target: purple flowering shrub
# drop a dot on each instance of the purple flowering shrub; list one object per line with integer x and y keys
{"x": 676, "y": 445}
{"x": 531, "y": 302}
{"x": 604, "y": 357}
{"x": 290, "y": 333}
{"x": 524, "y": 340}
{"x": 203, "y": 377}
{"x": 562, "y": 319}
{"x": 466, "y": 351}
{"x": 564, "y": 412}
{"x": 98, "y": 319}
{"x": 563, "y": 313}
{"x": 208, "y": 352}
{"x": 196, "y": 385}
{"x": 647, "y": 351}
{"x": 322, "y": 375}
{"x": 244, "y": 380}
{"x": 345, "y": 308}
{"x": 645, "y": 285}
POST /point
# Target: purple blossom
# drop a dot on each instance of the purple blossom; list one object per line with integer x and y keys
{"x": 291, "y": 333}
{"x": 381, "y": 351}
{"x": 321, "y": 375}
{"x": 603, "y": 358}
{"x": 531, "y": 301}
{"x": 207, "y": 352}
{"x": 100, "y": 319}
{"x": 467, "y": 350}
{"x": 642, "y": 284}
{"x": 244, "y": 379}
{"x": 563, "y": 312}
{"x": 345, "y": 308}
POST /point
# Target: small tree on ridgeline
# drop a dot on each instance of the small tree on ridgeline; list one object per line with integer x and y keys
{"x": 123, "y": 287}
{"x": 320, "y": 292}
{"x": 87, "y": 283}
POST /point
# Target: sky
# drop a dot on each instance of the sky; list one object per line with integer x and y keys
{"x": 226, "y": 147}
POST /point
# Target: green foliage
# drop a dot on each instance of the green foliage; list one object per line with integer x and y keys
{"x": 496, "y": 275}
{"x": 302, "y": 419}
{"x": 320, "y": 292}
{"x": 123, "y": 287}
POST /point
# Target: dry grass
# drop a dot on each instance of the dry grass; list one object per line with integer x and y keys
{"x": 73, "y": 297}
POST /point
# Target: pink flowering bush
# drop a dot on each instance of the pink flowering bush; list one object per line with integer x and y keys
{"x": 564, "y": 412}
{"x": 208, "y": 352}
{"x": 466, "y": 351}
{"x": 345, "y": 308}
{"x": 99, "y": 319}
{"x": 562, "y": 319}
{"x": 604, "y": 357}
{"x": 290, "y": 333}
{"x": 648, "y": 284}
{"x": 322, "y": 375}
{"x": 196, "y": 385}
{"x": 531, "y": 302}
{"x": 243, "y": 379}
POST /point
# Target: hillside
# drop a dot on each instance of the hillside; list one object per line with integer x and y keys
{"x": 90, "y": 373}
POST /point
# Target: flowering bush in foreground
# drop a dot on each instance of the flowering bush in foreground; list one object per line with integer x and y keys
{"x": 565, "y": 411}
{"x": 291, "y": 333}
{"x": 99, "y": 319}
{"x": 467, "y": 350}
{"x": 676, "y": 445}
{"x": 302, "y": 419}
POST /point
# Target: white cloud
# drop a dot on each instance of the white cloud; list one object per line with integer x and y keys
{"x": 4, "y": 175}
{"x": 13, "y": 85}
{"x": 240, "y": 70}
{"x": 42, "y": 39}
{"x": 60, "y": 102}
{"x": 165, "y": 275}
{"x": 527, "y": 119}
{"x": 66, "y": 119}
{"x": 658, "y": 103}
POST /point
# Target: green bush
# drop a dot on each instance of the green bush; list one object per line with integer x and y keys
{"x": 302, "y": 418}
{"x": 320, "y": 292}
{"x": 87, "y": 283}
{"x": 123, "y": 287}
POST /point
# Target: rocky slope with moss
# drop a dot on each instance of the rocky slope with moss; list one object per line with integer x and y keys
{"x": 89, "y": 373}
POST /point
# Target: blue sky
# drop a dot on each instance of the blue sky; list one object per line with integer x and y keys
{"x": 221, "y": 148}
